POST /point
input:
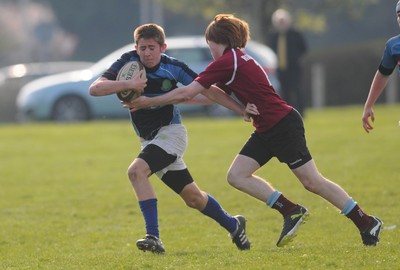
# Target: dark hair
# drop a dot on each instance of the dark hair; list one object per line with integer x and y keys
{"x": 228, "y": 30}
{"x": 149, "y": 31}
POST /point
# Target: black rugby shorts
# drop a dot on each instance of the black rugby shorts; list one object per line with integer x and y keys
{"x": 285, "y": 141}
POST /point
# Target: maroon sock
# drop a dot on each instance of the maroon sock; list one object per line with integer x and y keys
{"x": 283, "y": 205}
{"x": 360, "y": 219}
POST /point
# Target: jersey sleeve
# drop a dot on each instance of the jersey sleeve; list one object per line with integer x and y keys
{"x": 219, "y": 71}
{"x": 390, "y": 57}
{"x": 112, "y": 72}
{"x": 186, "y": 75}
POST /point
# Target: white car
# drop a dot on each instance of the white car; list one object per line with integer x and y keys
{"x": 65, "y": 96}
{"x": 13, "y": 77}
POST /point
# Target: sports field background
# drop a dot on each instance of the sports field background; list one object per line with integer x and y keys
{"x": 66, "y": 202}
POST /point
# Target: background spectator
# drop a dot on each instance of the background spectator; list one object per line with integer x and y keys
{"x": 290, "y": 46}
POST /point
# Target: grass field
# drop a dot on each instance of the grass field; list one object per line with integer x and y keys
{"x": 66, "y": 203}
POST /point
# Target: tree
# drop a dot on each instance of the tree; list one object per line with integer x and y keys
{"x": 101, "y": 26}
{"x": 31, "y": 33}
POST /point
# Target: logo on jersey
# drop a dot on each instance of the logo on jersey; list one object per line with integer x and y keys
{"x": 166, "y": 85}
{"x": 246, "y": 57}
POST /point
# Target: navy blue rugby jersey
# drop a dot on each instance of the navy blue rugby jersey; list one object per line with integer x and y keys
{"x": 160, "y": 80}
{"x": 391, "y": 56}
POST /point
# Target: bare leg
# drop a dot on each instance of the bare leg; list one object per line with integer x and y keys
{"x": 240, "y": 176}
{"x": 138, "y": 174}
{"x": 313, "y": 181}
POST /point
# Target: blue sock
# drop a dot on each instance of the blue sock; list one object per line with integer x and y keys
{"x": 350, "y": 204}
{"x": 273, "y": 198}
{"x": 150, "y": 214}
{"x": 214, "y": 210}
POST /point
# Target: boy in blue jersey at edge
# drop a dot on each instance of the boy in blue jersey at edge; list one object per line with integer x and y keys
{"x": 163, "y": 136}
{"x": 389, "y": 61}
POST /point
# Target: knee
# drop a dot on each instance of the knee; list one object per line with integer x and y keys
{"x": 135, "y": 173}
{"x": 308, "y": 185}
{"x": 233, "y": 178}
{"x": 312, "y": 184}
{"x": 196, "y": 201}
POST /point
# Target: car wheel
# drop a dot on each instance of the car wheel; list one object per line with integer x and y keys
{"x": 70, "y": 108}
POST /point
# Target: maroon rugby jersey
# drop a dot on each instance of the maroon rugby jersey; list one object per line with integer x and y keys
{"x": 237, "y": 72}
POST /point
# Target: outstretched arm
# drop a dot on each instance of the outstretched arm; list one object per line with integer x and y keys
{"x": 185, "y": 94}
{"x": 216, "y": 95}
{"x": 199, "y": 99}
{"x": 378, "y": 85}
{"x": 178, "y": 95}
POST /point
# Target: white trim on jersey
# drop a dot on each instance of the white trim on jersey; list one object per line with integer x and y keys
{"x": 234, "y": 67}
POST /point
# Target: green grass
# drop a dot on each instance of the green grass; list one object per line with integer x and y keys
{"x": 66, "y": 203}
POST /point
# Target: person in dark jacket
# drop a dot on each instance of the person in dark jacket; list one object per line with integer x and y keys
{"x": 290, "y": 47}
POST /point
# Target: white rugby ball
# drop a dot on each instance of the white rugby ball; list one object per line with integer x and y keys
{"x": 127, "y": 72}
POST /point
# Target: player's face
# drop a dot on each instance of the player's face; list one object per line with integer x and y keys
{"x": 150, "y": 52}
{"x": 398, "y": 18}
{"x": 216, "y": 49}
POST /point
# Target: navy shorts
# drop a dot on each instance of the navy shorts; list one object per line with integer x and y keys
{"x": 158, "y": 159}
{"x": 285, "y": 141}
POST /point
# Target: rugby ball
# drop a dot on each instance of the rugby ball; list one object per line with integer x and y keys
{"x": 127, "y": 72}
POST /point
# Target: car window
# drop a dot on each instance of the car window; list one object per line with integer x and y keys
{"x": 196, "y": 58}
{"x": 191, "y": 54}
{"x": 264, "y": 56}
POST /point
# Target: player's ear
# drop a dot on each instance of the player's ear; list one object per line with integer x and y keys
{"x": 163, "y": 48}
